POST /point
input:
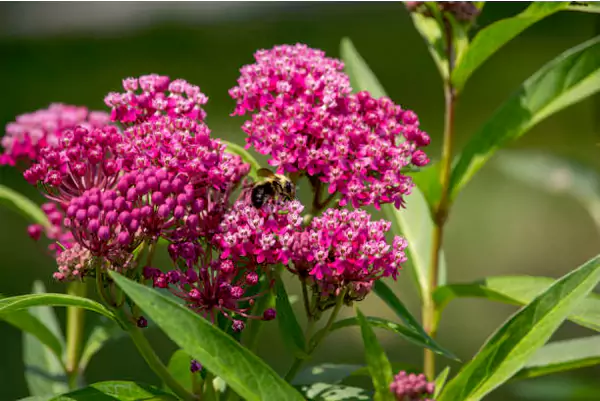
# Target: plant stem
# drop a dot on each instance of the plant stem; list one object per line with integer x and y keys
{"x": 319, "y": 337}
{"x": 155, "y": 363}
{"x": 75, "y": 325}
{"x": 440, "y": 211}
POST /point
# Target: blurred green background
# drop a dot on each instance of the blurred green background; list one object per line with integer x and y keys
{"x": 76, "y": 53}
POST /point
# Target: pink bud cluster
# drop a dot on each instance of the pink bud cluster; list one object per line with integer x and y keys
{"x": 73, "y": 264}
{"x": 151, "y": 96}
{"x": 357, "y": 144}
{"x": 259, "y": 236}
{"x": 104, "y": 222}
{"x": 217, "y": 287}
{"x": 32, "y": 132}
{"x": 287, "y": 75}
{"x": 346, "y": 250}
{"x": 411, "y": 387}
{"x": 185, "y": 146}
{"x": 56, "y": 231}
{"x": 83, "y": 159}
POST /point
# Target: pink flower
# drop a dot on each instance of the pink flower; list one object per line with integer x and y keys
{"x": 346, "y": 249}
{"x": 73, "y": 264}
{"x": 151, "y": 96}
{"x": 259, "y": 236}
{"x": 56, "y": 231}
{"x": 82, "y": 159}
{"x": 31, "y": 132}
{"x": 411, "y": 387}
{"x": 285, "y": 75}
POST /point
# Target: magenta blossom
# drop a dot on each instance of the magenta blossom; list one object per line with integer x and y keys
{"x": 151, "y": 96}
{"x": 218, "y": 287}
{"x": 285, "y": 75}
{"x": 345, "y": 250}
{"x": 259, "y": 236}
{"x": 83, "y": 159}
{"x": 411, "y": 387}
{"x": 31, "y": 132}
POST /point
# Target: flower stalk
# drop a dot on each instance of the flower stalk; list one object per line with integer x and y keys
{"x": 75, "y": 326}
{"x": 441, "y": 209}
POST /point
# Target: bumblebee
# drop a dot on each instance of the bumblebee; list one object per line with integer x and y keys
{"x": 272, "y": 185}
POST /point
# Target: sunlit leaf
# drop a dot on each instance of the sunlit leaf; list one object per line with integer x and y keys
{"x": 568, "y": 79}
{"x": 518, "y": 290}
{"x": 513, "y": 344}
{"x": 247, "y": 374}
{"x": 117, "y": 391}
{"x": 564, "y": 355}
{"x": 334, "y": 392}
{"x": 19, "y": 302}
{"x": 496, "y": 35}
{"x": 379, "y": 365}
{"x": 440, "y": 381}
{"x": 245, "y": 155}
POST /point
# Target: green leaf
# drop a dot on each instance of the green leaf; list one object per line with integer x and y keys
{"x": 20, "y": 204}
{"x": 490, "y": 39}
{"x": 245, "y": 155}
{"x": 562, "y": 355}
{"x": 179, "y": 367}
{"x": 44, "y": 370}
{"x": 513, "y": 344}
{"x": 554, "y": 174}
{"x": 379, "y": 366}
{"x": 19, "y": 302}
{"x": 117, "y": 390}
{"x": 247, "y": 374}
{"x": 416, "y": 225}
{"x": 288, "y": 324}
{"x": 585, "y": 6}
{"x": 518, "y": 290}
{"x": 404, "y": 331}
{"x": 100, "y": 335}
{"x": 23, "y": 320}
{"x": 361, "y": 76}
{"x": 440, "y": 381}
{"x": 431, "y": 29}
{"x": 413, "y": 330}
{"x": 569, "y": 78}
{"x": 427, "y": 180}
{"x": 334, "y": 392}
{"x": 334, "y": 373}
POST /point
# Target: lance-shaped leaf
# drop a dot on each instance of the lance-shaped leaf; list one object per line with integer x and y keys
{"x": 117, "y": 391}
{"x": 518, "y": 290}
{"x": 102, "y": 333}
{"x": 19, "y": 302}
{"x": 379, "y": 365}
{"x": 490, "y": 39}
{"x": 20, "y": 204}
{"x": 334, "y": 392}
{"x": 289, "y": 327}
{"x": 25, "y": 321}
{"x": 569, "y": 78}
{"x": 179, "y": 367}
{"x": 246, "y": 373}
{"x": 440, "y": 381}
{"x": 513, "y": 344}
{"x": 562, "y": 355}
{"x": 44, "y": 369}
{"x": 416, "y": 225}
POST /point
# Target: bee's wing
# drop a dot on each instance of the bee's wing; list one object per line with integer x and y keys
{"x": 265, "y": 172}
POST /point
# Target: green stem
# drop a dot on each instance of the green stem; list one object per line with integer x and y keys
{"x": 440, "y": 211}
{"x": 319, "y": 337}
{"x": 145, "y": 349}
{"x": 75, "y": 326}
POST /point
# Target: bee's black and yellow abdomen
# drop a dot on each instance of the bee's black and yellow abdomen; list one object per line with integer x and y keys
{"x": 260, "y": 193}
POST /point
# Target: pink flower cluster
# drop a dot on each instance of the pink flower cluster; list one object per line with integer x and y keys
{"x": 32, "y": 132}
{"x": 83, "y": 159}
{"x": 346, "y": 250}
{"x": 356, "y": 144}
{"x": 411, "y": 387}
{"x": 259, "y": 236}
{"x": 152, "y": 96}
{"x": 73, "y": 264}
{"x": 216, "y": 287}
{"x": 56, "y": 231}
